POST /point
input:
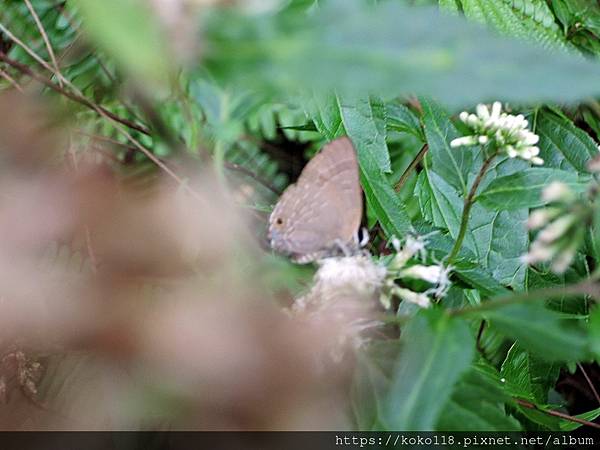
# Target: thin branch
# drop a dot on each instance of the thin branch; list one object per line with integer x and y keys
{"x": 551, "y": 412}
{"x": 11, "y": 80}
{"x": 99, "y": 137}
{"x": 259, "y": 179}
{"x": 228, "y": 165}
{"x": 78, "y": 96}
{"x": 38, "y": 23}
{"x": 589, "y": 382}
{"x": 117, "y": 121}
{"x": 31, "y": 53}
{"x": 72, "y": 96}
{"x": 411, "y": 167}
{"x": 62, "y": 79}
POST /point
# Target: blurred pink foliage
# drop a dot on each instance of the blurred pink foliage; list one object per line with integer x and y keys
{"x": 123, "y": 310}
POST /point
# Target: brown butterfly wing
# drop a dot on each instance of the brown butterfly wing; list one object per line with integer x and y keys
{"x": 323, "y": 208}
{"x": 336, "y": 166}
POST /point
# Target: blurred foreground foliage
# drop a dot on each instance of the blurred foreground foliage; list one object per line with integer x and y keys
{"x": 123, "y": 121}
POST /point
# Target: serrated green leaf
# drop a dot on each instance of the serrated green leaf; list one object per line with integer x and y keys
{"x": 562, "y": 144}
{"x": 466, "y": 266}
{"x": 541, "y": 331}
{"x": 441, "y": 205}
{"x": 528, "y": 377}
{"x": 381, "y": 197}
{"x": 565, "y": 304}
{"x": 477, "y": 403}
{"x": 533, "y": 22}
{"x": 325, "y": 113}
{"x": 451, "y": 164}
{"x": 364, "y": 120}
{"x": 523, "y": 189}
{"x": 569, "y": 425}
{"x": 435, "y": 351}
{"x": 402, "y": 119}
{"x": 440, "y": 188}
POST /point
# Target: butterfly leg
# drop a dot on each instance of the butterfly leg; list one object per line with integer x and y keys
{"x": 343, "y": 247}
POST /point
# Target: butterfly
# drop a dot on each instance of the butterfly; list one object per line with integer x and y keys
{"x": 319, "y": 216}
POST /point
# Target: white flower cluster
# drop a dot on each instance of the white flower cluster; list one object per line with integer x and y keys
{"x": 508, "y": 132}
{"x": 346, "y": 289}
{"x": 559, "y": 224}
{"x": 360, "y": 271}
{"x": 435, "y": 274}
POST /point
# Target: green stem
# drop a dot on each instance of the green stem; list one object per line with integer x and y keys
{"x": 411, "y": 167}
{"x": 587, "y": 287}
{"x": 469, "y": 200}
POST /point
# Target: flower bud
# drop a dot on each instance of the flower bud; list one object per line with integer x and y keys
{"x": 431, "y": 274}
{"x": 593, "y": 164}
{"x": 563, "y": 259}
{"x": 537, "y": 161}
{"x": 417, "y": 298}
{"x": 540, "y": 217}
{"x": 557, "y": 192}
{"x": 465, "y": 140}
{"x": 556, "y": 229}
{"x": 482, "y": 111}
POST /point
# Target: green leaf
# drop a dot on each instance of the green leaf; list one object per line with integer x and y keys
{"x": 565, "y": 304}
{"x": 435, "y": 351}
{"x": 595, "y": 332}
{"x": 466, "y": 266}
{"x": 527, "y": 376}
{"x": 370, "y": 384}
{"x": 440, "y": 188}
{"x": 569, "y": 425}
{"x": 553, "y": 423}
{"x": 523, "y": 189}
{"x": 530, "y": 19}
{"x": 325, "y": 113}
{"x": 562, "y": 144}
{"x": 127, "y": 30}
{"x": 541, "y": 331}
{"x": 441, "y": 205}
{"x": 381, "y": 197}
{"x": 364, "y": 120}
{"x": 453, "y": 165}
{"x": 477, "y": 403}
{"x": 387, "y": 49}
{"x": 402, "y": 119}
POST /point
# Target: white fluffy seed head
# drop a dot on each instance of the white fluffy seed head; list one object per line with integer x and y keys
{"x": 359, "y": 272}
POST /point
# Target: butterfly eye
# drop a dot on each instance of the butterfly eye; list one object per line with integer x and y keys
{"x": 279, "y": 221}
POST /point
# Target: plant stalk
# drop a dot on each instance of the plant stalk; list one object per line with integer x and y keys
{"x": 464, "y": 221}
{"x": 411, "y": 167}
